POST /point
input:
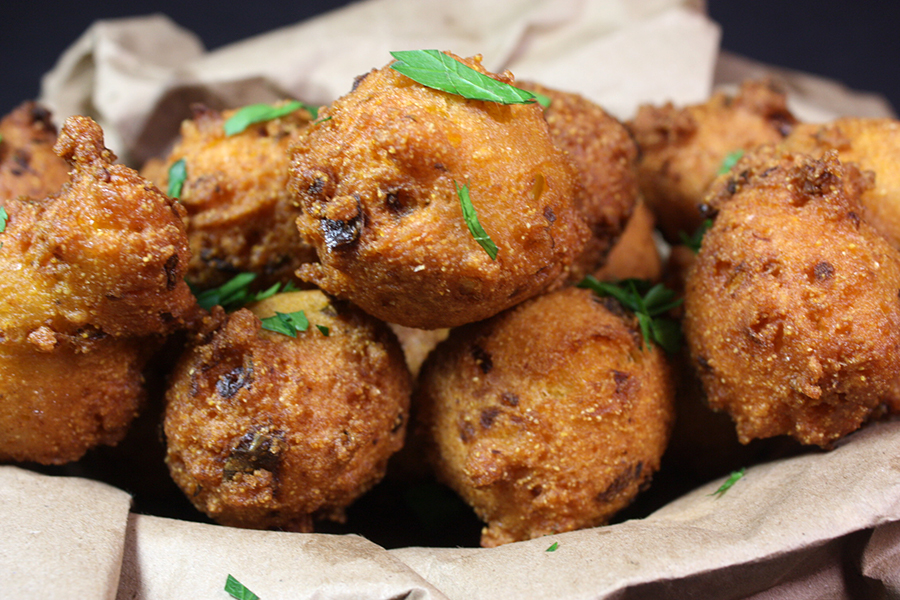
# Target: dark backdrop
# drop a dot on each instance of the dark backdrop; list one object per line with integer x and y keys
{"x": 854, "y": 41}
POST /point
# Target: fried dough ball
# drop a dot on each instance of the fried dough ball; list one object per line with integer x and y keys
{"x": 873, "y": 145}
{"x": 635, "y": 255}
{"x": 606, "y": 157}
{"x": 377, "y": 178}
{"x": 28, "y": 165}
{"x": 682, "y": 149}
{"x": 57, "y": 404}
{"x": 241, "y": 217}
{"x": 269, "y": 431}
{"x": 791, "y": 309}
{"x": 548, "y": 417}
{"x": 90, "y": 283}
{"x": 104, "y": 256}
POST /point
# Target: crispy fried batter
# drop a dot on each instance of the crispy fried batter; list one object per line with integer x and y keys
{"x": 606, "y": 157}
{"x": 377, "y": 179}
{"x": 682, "y": 149}
{"x": 28, "y": 165}
{"x": 57, "y": 404}
{"x": 240, "y": 214}
{"x": 105, "y": 256}
{"x": 874, "y": 145}
{"x": 792, "y": 311}
{"x": 548, "y": 417}
{"x": 265, "y": 430}
{"x": 90, "y": 282}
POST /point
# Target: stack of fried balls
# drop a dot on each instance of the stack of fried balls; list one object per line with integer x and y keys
{"x": 471, "y": 286}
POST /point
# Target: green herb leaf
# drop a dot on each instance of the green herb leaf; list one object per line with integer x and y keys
{"x": 553, "y": 547}
{"x": 694, "y": 241}
{"x": 732, "y": 479}
{"x": 235, "y": 293}
{"x": 729, "y": 161}
{"x": 471, "y": 218}
{"x": 4, "y": 217}
{"x": 325, "y": 331}
{"x": 259, "y": 113}
{"x": 434, "y": 69}
{"x": 648, "y": 302}
{"x": 231, "y": 295}
{"x": 287, "y": 323}
{"x": 543, "y": 100}
{"x": 238, "y": 590}
{"x": 177, "y": 177}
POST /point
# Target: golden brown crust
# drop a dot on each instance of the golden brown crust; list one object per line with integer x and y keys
{"x": 873, "y": 145}
{"x": 59, "y": 402}
{"x": 682, "y": 149}
{"x": 605, "y": 155}
{"x": 240, "y": 214}
{"x": 792, "y": 311}
{"x": 104, "y": 256}
{"x": 548, "y": 417}
{"x": 265, "y": 430}
{"x": 377, "y": 177}
{"x": 28, "y": 165}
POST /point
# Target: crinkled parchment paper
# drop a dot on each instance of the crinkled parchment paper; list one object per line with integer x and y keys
{"x": 824, "y": 525}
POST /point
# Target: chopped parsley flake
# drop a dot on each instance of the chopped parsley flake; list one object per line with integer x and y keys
{"x": 732, "y": 479}
{"x": 260, "y": 113}
{"x": 436, "y": 70}
{"x": 471, "y": 218}
{"x": 177, "y": 177}
{"x": 648, "y": 302}
{"x": 238, "y": 590}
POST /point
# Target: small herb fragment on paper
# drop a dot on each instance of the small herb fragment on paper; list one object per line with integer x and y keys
{"x": 729, "y": 161}
{"x": 177, "y": 177}
{"x": 694, "y": 241}
{"x": 260, "y": 113}
{"x": 553, "y": 547}
{"x": 286, "y": 323}
{"x": 648, "y": 302}
{"x": 474, "y": 225}
{"x": 436, "y": 70}
{"x": 732, "y": 479}
{"x": 238, "y": 590}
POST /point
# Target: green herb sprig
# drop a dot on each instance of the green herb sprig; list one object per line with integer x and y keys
{"x": 474, "y": 225}
{"x": 648, "y": 302}
{"x": 729, "y": 161}
{"x": 238, "y": 590}
{"x": 177, "y": 177}
{"x": 694, "y": 241}
{"x": 553, "y": 547}
{"x": 260, "y": 113}
{"x": 732, "y": 479}
{"x": 434, "y": 69}
{"x": 235, "y": 293}
{"x": 288, "y": 324}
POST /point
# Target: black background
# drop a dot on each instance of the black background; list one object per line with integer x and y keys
{"x": 856, "y": 42}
